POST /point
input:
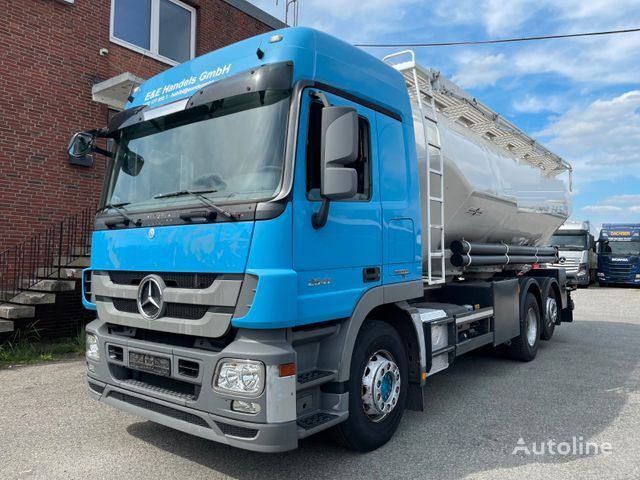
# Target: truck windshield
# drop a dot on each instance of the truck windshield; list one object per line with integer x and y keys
{"x": 233, "y": 149}
{"x": 569, "y": 242}
{"x": 621, "y": 248}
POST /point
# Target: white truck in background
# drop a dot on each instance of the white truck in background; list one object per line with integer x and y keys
{"x": 577, "y": 251}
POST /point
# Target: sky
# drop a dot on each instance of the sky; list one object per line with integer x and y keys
{"x": 579, "y": 97}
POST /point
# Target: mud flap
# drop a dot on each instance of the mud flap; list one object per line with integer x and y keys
{"x": 566, "y": 314}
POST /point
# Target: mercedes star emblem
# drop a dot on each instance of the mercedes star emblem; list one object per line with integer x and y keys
{"x": 150, "y": 302}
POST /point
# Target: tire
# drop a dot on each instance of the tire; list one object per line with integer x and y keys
{"x": 521, "y": 348}
{"x": 364, "y": 431}
{"x": 550, "y": 312}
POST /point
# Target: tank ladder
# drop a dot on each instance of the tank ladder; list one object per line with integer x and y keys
{"x": 419, "y": 84}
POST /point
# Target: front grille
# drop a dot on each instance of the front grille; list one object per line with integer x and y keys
{"x": 569, "y": 262}
{"x": 174, "y": 310}
{"x": 161, "y": 409}
{"x": 186, "y": 311}
{"x": 570, "y": 265}
{"x": 623, "y": 269}
{"x": 171, "y": 279}
{"x": 234, "y": 431}
{"x": 125, "y": 305}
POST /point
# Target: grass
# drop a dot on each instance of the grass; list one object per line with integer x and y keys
{"x": 25, "y": 347}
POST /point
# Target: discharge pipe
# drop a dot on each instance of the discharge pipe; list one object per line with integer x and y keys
{"x": 465, "y": 254}
{"x": 462, "y": 247}
{"x": 464, "y": 260}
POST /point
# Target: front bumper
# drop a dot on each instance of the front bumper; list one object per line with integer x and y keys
{"x": 190, "y": 404}
{"x": 575, "y": 275}
{"x": 278, "y": 437}
{"x": 576, "y": 279}
{"x": 618, "y": 279}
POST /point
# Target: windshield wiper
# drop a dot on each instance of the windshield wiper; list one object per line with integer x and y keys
{"x": 199, "y": 194}
{"x": 118, "y": 207}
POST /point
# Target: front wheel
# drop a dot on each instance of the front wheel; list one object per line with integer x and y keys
{"x": 377, "y": 388}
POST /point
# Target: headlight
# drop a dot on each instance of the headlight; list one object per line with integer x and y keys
{"x": 92, "y": 351}
{"x": 244, "y": 377}
{"x": 600, "y": 274}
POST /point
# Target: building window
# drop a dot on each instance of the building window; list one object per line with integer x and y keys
{"x": 162, "y": 29}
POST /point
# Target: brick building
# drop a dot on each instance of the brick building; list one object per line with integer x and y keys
{"x": 61, "y": 60}
{"x": 65, "y": 66}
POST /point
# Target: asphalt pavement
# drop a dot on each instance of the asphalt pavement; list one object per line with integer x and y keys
{"x": 584, "y": 387}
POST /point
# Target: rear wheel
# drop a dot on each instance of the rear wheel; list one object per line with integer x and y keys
{"x": 525, "y": 346}
{"x": 550, "y": 310}
{"x": 377, "y": 388}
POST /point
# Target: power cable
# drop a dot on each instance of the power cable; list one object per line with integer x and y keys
{"x": 505, "y": 40}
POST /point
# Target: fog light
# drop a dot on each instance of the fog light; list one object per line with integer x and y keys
{"x": 245, "y": 407}
{"x": 92, "y": 350}
{"x": 243, "y": 377}
{"x": 91, "y": 367}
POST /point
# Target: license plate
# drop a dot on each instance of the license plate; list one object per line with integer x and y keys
{"x": 150, "y": 363}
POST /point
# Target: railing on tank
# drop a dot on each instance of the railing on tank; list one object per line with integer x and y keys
{"x": 45, "y": 254}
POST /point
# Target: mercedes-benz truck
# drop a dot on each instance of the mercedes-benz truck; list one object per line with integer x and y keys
{"x": 295, "y": 235}
{"x": 619, "y": 254}
{"x": 577, "y": 251}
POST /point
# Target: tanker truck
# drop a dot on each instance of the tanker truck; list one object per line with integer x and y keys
{"x": 294, "y": 236}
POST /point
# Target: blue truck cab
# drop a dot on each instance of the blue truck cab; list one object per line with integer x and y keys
{"x": 240, "y": 256}
{"x": 257, "y": 257}
{"x": 619, "y": 254}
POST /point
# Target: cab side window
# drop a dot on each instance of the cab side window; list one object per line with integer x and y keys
{"x": 362, "y": 164}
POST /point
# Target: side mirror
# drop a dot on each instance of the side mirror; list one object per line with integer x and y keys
{"x": 339, "y": 147}
{"x": 81, "y": 148}
{"x": 132, "y": 163}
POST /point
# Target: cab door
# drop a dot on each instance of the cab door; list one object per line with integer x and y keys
{"x": 338, "y": 262}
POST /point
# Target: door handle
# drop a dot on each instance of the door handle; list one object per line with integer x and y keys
{"x": 371, "y": 274}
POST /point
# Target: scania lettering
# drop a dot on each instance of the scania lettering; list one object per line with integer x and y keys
{"x": 619, "y": 254}
{"x": 301, "y": 243}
